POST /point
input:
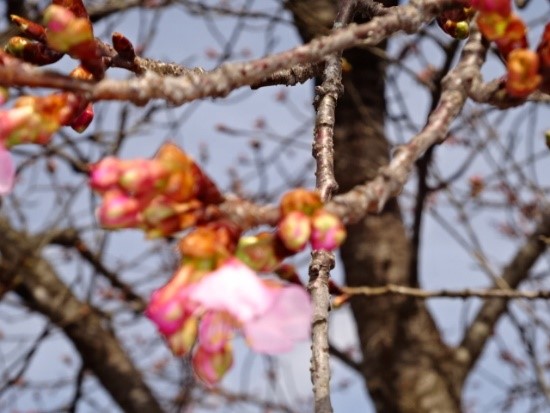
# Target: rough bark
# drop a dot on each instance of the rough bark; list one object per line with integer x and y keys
{"x": 23, "y": 269}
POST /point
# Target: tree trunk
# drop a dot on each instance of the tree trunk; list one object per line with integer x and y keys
{"x": 406, "y": 365}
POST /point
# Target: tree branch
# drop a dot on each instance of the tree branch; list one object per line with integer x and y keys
{"x": 319, "y": 273}
{"x": 230, "y": 76}
{"x": 36, "y": 281}
{"x": 393, "y": 289}
{"x": 389, "y": 182}
{"x": 517, "y": 270}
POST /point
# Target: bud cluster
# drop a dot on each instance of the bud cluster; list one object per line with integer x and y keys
{"x": 525, "y": 68}
{"x": 213, "y": 295}
{"x": 66, "y": 29}
{"x": 456, "y": 22}
{"x": 161, "y": 196}
{"x": 216, "y": 291}
{"x": 303, "y": 220}
{"x": 33, "y": 119}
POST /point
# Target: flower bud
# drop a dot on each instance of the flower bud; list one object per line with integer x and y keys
{"x": 300, "y": 200}
{"x": 477, "y": 184}
{"x": 294, "y": 230}
{"x": 210, "y": 367}
{"x": 523, "y": 78}
{"x": 83, "y": 120}
{"x": 328, "y": 231}
{"x": 181, "y": 342}
{"x": 64, "y": 30}
{"x": 142, "y": 176}
{"x": 258, "y": 252}
{"x": 105, "y": 174}
{"x": 32, "y": 51}
{"x": 118, "y": 210}
{"x": 31, "y": 29}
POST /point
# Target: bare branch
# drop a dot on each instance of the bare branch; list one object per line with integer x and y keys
{"x": 319, "y": 273}
{"x": 372, "y": 197}
{"x": 392, "y": 289}
{"x": 516, "y": 271}
{"x": 38, "y": 284}
{"x": 230, "y": 76}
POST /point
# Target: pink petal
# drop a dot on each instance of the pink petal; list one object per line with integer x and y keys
{"x": 215, "y": 330}
{"x": 236, "y": 289}
{"x": 7, "y": 172}
{"x": 210, "y": 367}
{"x": 286, "y": 322}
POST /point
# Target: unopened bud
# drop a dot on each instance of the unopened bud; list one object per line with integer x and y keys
{"x": 328, "y": 231}
{"x": 295, "y": 230}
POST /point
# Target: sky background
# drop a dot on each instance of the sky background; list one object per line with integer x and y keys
{"x": 202, "y": 128}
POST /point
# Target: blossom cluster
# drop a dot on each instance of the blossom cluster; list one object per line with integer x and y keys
{"x": 67, "y": 29}
{"x": 161, "y": 196}
{"x": 199, "y": 312}
{"x": 33, "y": 119}
{"x": 216, "y": 292}
{"x": 527, "y": 70}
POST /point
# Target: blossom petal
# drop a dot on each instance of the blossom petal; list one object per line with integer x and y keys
{"x": 215, "y": 330}
{"x": 286, "y": 322}
{"x": 236, "y": 289}
{"x": 210, "y": 367}
{"x": 7, "y": 172}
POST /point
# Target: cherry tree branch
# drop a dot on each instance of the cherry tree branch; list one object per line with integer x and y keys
{"x": 230, "y": 76}
{"x": 372, "y": 196}
{"x": 319, "y": 273}
{"x": 322, "y": 262}
{"x": 482, "y": 328}
{"x": 37, "y": 282}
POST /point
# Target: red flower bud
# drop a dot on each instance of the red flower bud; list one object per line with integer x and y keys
{"x": 105, "y": 174}
{"x": 328, "y": 231}
{"x": 118, "y": 211}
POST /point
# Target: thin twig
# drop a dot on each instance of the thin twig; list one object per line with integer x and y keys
{"x": 392, "y": 289}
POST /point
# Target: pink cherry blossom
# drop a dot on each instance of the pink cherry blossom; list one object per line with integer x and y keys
{"x": 7, "y": 171}
{"x": 273, "y": 317}
{"x": 235, "y": 289}
{"x": 287, "y": 321}
{"x": 199, "y": 312}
